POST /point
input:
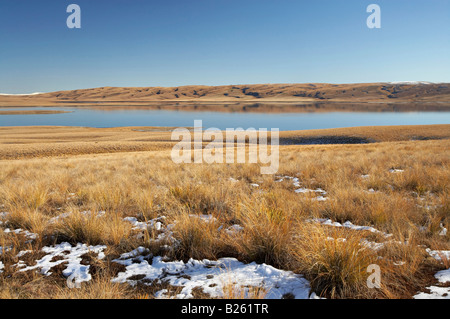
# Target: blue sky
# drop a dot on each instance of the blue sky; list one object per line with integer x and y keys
{"x": 218, "y": 42}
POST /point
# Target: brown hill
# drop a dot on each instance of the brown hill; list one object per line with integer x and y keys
{"x": 298, "y": 93}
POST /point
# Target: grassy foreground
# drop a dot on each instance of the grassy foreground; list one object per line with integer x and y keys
{"x": 398, "y": 186}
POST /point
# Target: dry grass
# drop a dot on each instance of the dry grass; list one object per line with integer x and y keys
{"x": 32, "y": 142}
{"x": 233, "y": 291}
{"x": 39, "y": 287}
{"x": 267, "y": 233}
{"x": 197, "y": 239}
{"x": 94, "y": 229}
{"x": 98, "y": 288}
{"x": 411, "y": 205}
{"x": 334, "y": 261}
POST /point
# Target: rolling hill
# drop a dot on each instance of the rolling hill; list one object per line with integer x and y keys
{"x": 400, "y": 92}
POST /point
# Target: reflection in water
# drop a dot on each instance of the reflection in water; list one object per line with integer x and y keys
{"x": 278, "y": 107}
{"x": 183, "y": 116}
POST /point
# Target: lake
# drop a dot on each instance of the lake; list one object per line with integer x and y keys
{"x": 87, "y": 117}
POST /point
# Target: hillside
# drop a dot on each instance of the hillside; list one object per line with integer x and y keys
{"x": 418, "y": 92}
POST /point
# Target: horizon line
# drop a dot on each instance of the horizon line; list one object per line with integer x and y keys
{"x": 187, "y": 85}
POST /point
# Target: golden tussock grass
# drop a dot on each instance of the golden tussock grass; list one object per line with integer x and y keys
{"x": 234, "y": 291}
{"x": 266, "y": 235}
{"x": 94, "y": 229}
{"x": 100, "y": 190}
{"x": 334, "y": 261}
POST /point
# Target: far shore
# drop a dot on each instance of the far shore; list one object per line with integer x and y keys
{"x": 376, "y": 96}
{"x": 31, "y": 112}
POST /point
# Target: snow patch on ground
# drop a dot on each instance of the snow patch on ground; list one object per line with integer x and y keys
{"x": 211, "y": 276}
{"x": 27, "y": 234}
{"x": 59, "y": 217}
{"x": 320, "y": 198}
{"x": 435, "y": 293}
{"x": 19, "y": 231}
{"x": 348, "y": 224}
{"x": 303, "y": 190}
{"x": 153, "y": 223}
{"x": 165, "y": 235}
{"x": 206, "y": 218}
{"x": 439, "y": 254}
{"x": 234, "y": 229}
{"x": 372, "y": 191}
{"x": 372, "y": 245}
{"x": 443, "y": 276}
{"x": 396, "y": 170}
{"x": 443, "y": 231}
{"x": 23, "y": 253}
{"x": 66, "y": 253}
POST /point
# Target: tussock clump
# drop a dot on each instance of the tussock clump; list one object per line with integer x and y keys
{"x": 30, "y": 196}
{"x": 94, "y": 228}
{"x": 266, "y": 235}
{"x": 100, "y": 287}
{"x": 201, "y": 198}
{"x": 334, "y": 261}
{"x": 197, "y": 237}
{"x": 31, "y": 220}
{"x": 233, "y": 291}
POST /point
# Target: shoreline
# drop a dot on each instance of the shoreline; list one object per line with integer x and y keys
{"x": 33, "y": 112}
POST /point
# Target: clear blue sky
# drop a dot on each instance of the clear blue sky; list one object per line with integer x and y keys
{"x": 217, "y": 42}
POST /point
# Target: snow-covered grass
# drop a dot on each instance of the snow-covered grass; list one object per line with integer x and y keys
{"x": 435, "y": 291}
{"x": 303, "y": 190}
{"x": 349, "y": 225}
{"x": 440, "y": 255}
{"x": 70, "y": 256}
{"x": 212, "y": 277}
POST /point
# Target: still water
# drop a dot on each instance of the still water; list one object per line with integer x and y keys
{"x": 163, "y": 118}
